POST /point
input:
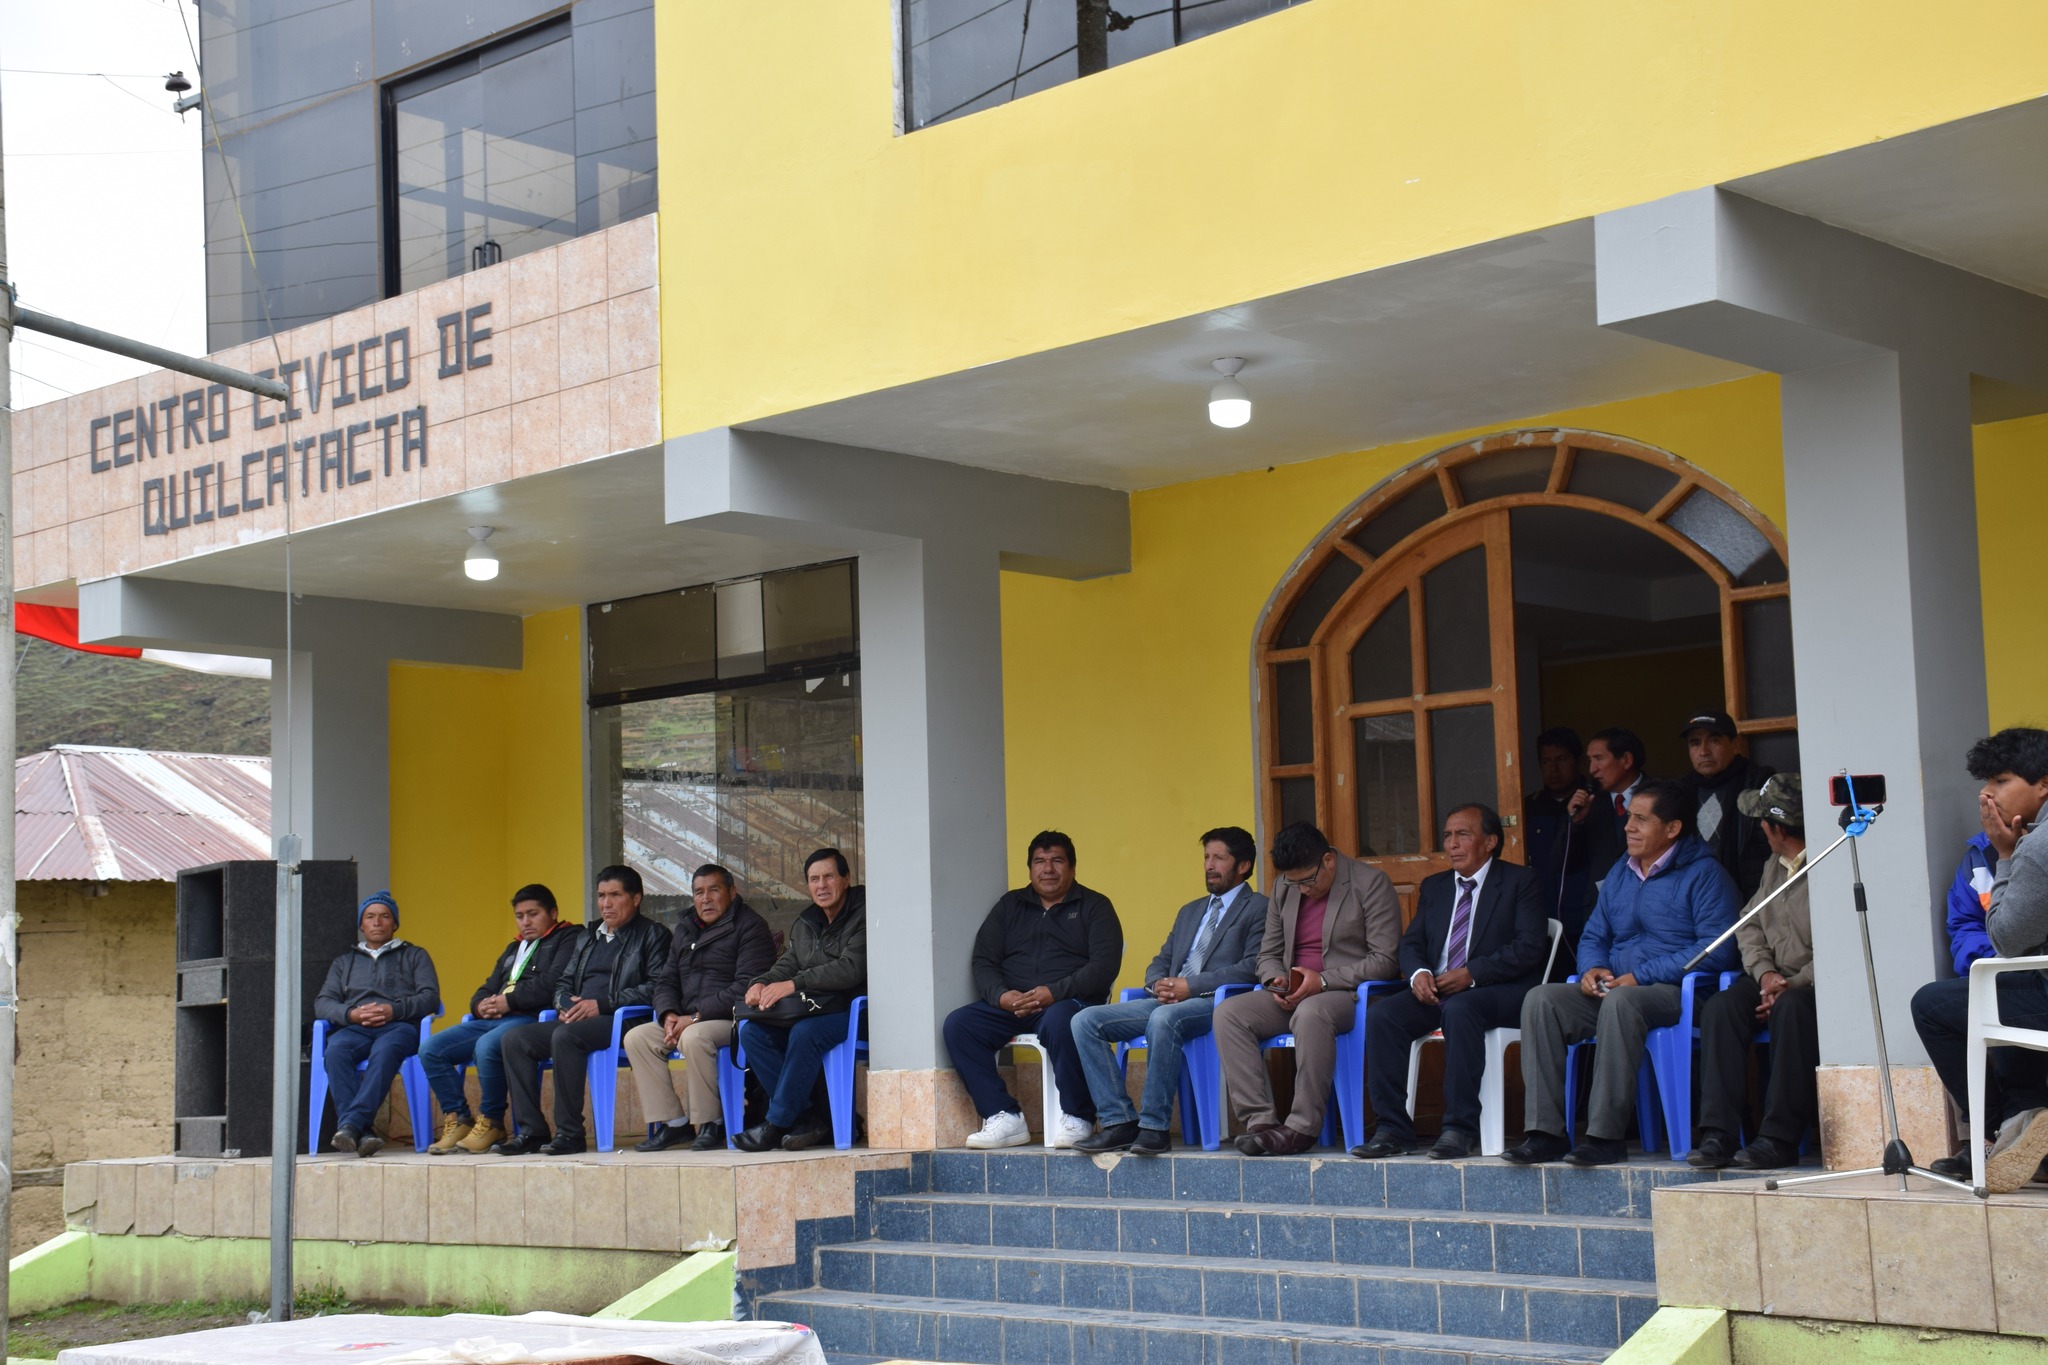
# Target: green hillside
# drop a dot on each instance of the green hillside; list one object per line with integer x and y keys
{"x": 68, "y": 697}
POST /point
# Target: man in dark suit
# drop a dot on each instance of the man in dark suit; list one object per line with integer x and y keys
{"x": 1556, "y": 843}
{"x": 1471, "y": 953}
{"x": 1215, "y": 942}
{"x": 1333, "y": 925}
{"x": 1614, "y": 760}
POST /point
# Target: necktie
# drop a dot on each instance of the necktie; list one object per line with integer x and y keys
{"x": 1461, "y": 926}
{"x": 1205, "y": 937}
{"x": 1620, "y": 807}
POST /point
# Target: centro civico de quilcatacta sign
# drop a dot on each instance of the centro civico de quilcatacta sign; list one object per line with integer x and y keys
{"x": 357, "y": 411}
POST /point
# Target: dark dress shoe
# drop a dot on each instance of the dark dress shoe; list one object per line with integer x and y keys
{"x": 709, "y": 1136}
{"x": 1115, "y": 1138}
{"x": 1714, "y": 1151}
{"x": 521, "y": 1144}
{"x": 1956, "y": 1167}
{"x": 1453, "y": 1144}
{"x": 806, "y": 1136}
{"x": 369, "y": 1144}
{"x": 1279, "y": 1140}
{"x": 1151, "y": 1142}
{"x": 344, "y": 1140}
{"x": 1248, "y": 1141}
{"x": 1385, "y": 1142}
{"x": 562, "y": 1144}
{"x": 668, "y": 1135}
{"x": 762, "y": 1137}
{"x": 1599, "y": 1152}
{"x": 1536, "y": 1148}
{"x": 1768, "y": 1154}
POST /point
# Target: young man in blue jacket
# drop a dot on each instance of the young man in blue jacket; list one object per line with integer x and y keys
{"x": 1662, "y": 903}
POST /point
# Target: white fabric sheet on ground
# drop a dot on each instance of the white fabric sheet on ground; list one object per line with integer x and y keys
{"x": 467, "y": 1339}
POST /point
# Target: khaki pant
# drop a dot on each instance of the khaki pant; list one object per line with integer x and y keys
{"x": 1244, "y": 1022}
{"x": 649, "y": 1056}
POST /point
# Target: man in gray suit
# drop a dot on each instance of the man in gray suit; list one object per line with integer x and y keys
{"x": 1213, "y": 942}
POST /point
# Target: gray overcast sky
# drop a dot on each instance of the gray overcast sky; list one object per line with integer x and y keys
{"x": 104, "y": 197}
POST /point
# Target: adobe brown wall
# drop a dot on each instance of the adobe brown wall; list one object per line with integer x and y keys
{"x": 94, "y": 1075}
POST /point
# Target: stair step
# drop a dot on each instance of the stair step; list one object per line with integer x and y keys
{"x": 1607, "y": 1248}
{"x": 1586, "y": 1312}
{"x": 964, "y": 1330}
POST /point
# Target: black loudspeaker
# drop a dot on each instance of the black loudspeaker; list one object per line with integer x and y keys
{"x": 227, "y": 979}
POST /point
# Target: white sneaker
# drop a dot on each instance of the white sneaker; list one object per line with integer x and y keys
{"x": 1070, "y": 1130}
{"x": 1001, "y": 1130}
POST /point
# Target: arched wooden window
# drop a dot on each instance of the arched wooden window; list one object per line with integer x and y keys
{"x": 1387, "y": 677}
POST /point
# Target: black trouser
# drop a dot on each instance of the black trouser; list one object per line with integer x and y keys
{"x": 1395, "y": 1020}
{"x": 1728, "y": 1029}
{"x": 2016, "y": 1079}
{"x": 977, "y": 1029}
{"x": 570, "y": 1045}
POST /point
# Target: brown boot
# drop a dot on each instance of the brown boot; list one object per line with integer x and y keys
{"x": 454, "y": 1128}
{"x": 481, "y": 1137}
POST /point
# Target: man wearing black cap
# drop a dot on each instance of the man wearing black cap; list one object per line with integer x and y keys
{"x": 1719, "y": 775}
{"x": 1775, "y": 992}
{"x": 374, "y": 997}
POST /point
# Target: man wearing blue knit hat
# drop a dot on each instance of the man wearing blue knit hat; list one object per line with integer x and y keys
{"x": 374, "y": 998}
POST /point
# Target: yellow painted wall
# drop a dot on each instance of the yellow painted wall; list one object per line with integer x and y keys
{"x": 2012, "y": 488}
{"x": 809, "y": 251}
{"x": 486, "y": 795}
{"x": 1652, "y": 694}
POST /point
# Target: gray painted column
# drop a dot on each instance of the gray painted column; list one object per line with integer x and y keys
{"x": 330, "y": 758}
{"x": 1883, "y": 356}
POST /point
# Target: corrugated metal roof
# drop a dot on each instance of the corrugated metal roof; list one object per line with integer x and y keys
{"x": 86, "y": 813}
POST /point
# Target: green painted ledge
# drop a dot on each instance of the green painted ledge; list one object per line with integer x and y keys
{"x": 1679, "y": 1336}
{"x": 698, "y": 1289}
{"x": 51, "y": 1275}
{"x": 1757, "y": 1340}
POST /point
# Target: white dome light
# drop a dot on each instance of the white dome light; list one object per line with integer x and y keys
{"x": 481, "y": 562}
{"x": 1229, "y": 404}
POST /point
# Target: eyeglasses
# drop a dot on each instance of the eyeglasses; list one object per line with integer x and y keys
{"x": 1303, "y": 881}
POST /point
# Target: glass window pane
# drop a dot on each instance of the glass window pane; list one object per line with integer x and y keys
{"x": 1409, "y": 513}
{"x": 1294, "y": 712}
{"x": 1727, "y": 535}
{"x": 1779, "y": 750}
{"x": 1767, "y": 657}
{"x": 1455, "y": 623}
{"x": 1461, "y": 759}
{"x": 639, "y": 644}
{"x": 1382, "y": 665}
{"x": 1315, "y": 602}
{"x": 808, "y": 614}
{"x": 740, "y": 644}
{"x": 1297, "y": 801}
{"x": 1507, "y": 472}
{"x": 1384, "y": 751}
{"x": 1619, "y": 478}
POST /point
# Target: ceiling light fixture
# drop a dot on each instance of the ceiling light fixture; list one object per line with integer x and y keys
{"x": 1229, "y": 404}
{"x": 481, "y": 561}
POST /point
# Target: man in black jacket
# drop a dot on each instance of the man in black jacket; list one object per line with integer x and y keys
{"x": 1473, "y": 950}
{"x": 613, "y": 964}
{"x": 1046, "y": 952}
{"x": 520, "y": 986}
{"x": 375, "y": 995}
{"x": 719, "y": 948}
{"x": 822, "y": 970}
{"x": 1719, "y": 776}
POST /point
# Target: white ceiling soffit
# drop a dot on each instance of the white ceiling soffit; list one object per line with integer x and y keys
{"x": 1473, "y": 338}
{"x": 1972, "y": 193}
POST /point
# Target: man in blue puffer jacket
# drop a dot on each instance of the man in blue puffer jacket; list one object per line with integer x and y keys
{"x": 1658, "y": 906}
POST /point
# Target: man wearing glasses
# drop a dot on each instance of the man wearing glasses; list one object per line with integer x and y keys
{"x": 1333, "y": 924}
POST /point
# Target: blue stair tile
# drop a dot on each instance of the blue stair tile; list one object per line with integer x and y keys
{"x": 1326, "y": 1299}
{"x": 904, "y": 1275}
{"x": 1536, "y": 1249}
{"x": 1374, "y": 1241}
{"x": 1397, "y": 1305}
{"x": 1016, "y": 1172}
{"x": 1173, "y": 1291}
{"x": 1037, "y": 1341}
{"x": 1027, "y": 1282}
{"x": 959, "y": 1173}
{"x": 1276, "y": 1180}
{"x": 1083, "y": 1228}
{"x": 1353, "y": 1184}
{"x": 905, "y": 1220}
{"x": 1444, "y": 1244}
{"x": 1215, "y": 1178}
{"x": 1222, "y": 1233}
{"x": 1141, "y": 1177}
{"x": 961, "y": 1277}
{"x": 1099, "y": 1285}
{"x": 1254, "y": 1350}
{"x": 1617, "y": 1254}
{"x": 903, "y": 1333}
{"x": 920, "y": 1171}
{"x": 1021, "y": 1225}
{"x": 971, "y": 1339}
{"x": 1484, "y": 1311}
{"x": 1425, "y": 1184}
{"x": 1352, "y": 1353}
{"x": 1153, "y": 1230}
{"x": 1106, "y": 1344}
{"x": 1501, "y": 1188}
{"x": 1295, "y": 1237}
{"x": 1583, "y": 1319}
{"x": 1167, "y": 1347}
{"x": 1635, "y": 1311}
{"x": 849, "y": 1327}
{"x": 1076, "y": 1176}
{"x": 1247, "y": 1294}
{"x": 953, "y": 1222}
{"x": 1600, "y": 1191}
{"x": 848, "y": 1268}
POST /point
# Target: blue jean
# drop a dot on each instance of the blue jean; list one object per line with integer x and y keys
{"x": 787, "y": 1062}
{"x": 1165, "y": 1028}
{"x": 358, "y": 1095}
{"x": 477, "y": 1040}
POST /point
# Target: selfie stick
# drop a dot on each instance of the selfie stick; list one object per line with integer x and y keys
{"x": 1897, "y": 1159}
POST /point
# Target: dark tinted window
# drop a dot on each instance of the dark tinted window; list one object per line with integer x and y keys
{"x": 1316, "y": 600}
{"x": 1409, "y": 513}
{"x": 1618, "y": 478}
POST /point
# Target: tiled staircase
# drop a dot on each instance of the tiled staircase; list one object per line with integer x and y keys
{"x": 1212, "y": 1259}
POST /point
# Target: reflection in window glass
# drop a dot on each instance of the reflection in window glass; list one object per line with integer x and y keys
{"x": 1384, "y": 754}
{"x": 1337, "y": 574}
{"x": 1454, "y": 623}
{"x": 1724, "y": 533}
{"x": 661, "y": 640}
{"x": 807, "y": 614}
{"x": 1506, "y": 473}
{"x": 1767, "y": 658}
{"x": 1409, "y": 513}
{"x": 1294, "y": 712}
{"x": 1461, "y": 759}
{"x": 1618, "y": 478}
{"x": 1382, "y": 664}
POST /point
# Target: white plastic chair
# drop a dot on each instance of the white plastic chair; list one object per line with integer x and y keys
{"x": 1985, "y": 1032}
{"x": 1492, "y": 1092}
{"x": 1049, "y": 1091}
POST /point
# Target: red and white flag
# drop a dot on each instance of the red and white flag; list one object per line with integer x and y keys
{"x": 59, "y": 625}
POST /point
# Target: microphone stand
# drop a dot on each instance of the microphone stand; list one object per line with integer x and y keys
{"x": 1898, "y": 1159}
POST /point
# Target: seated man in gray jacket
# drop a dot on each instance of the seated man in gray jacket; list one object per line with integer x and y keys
{"x": 1214, "y": 942}
{"x": 375, "y": 995}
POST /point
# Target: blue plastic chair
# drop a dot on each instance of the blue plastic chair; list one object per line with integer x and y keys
{"x": 1663, "y": 1081}
{"x": 419, "y": 1099}
{"x": 839, "y": 1064}
{"x": 603, "y": 1075}
{"x": 1201, "y": 1080}
{"x": 1347, "y": 1087}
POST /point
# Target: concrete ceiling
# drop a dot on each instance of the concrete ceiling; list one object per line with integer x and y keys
{"x": 1473, "y": 338}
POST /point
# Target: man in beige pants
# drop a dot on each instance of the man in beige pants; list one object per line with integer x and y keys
{"x": 1333, "y": 923}
{"x": 720, "y": 946}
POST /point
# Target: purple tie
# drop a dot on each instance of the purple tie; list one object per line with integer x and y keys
{"x": 1461, "y": 926}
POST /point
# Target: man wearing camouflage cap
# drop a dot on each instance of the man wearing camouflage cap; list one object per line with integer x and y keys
{"x": 1775, "y": 992}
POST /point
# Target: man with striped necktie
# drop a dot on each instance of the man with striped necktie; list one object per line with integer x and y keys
{"x": 1473, "y": 950}
{"x": 1214, "y": 942}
